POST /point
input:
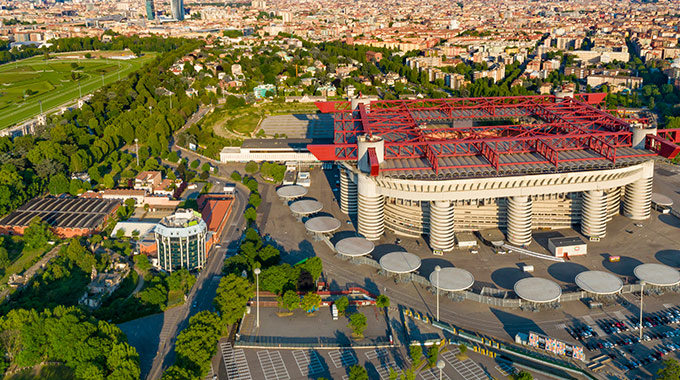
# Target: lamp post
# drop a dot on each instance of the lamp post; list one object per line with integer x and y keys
{"x": 437, "y": 269}
{"x": 137, "y": 150}
{"x": 257, "y": 295}
{"x": 642, "y": 293}
{"x": 440, "y": 365}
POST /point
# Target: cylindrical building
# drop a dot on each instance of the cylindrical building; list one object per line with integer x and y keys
{"x": 180, "y": 241}
{"x": 429, "y": 167}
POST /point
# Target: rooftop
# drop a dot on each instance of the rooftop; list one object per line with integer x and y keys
{"x": 476, "y": 137}
{"x": 63, "y": 212}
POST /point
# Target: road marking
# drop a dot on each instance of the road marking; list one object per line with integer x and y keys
{"x": 467, "y": 368}
{"x": 342, "y": 358}
{"x": 235, "y": 362}
{"x": 378, "y": 353}
{"x": 308, "y": 362}
{"x": 561, "y": 326}
{"x": 620, "y": 315}
{"x": 432, "y": 374}
{"x": 385, "y": 369}
{"x": 668, "y": 305}
{"x": 272, "y": 365}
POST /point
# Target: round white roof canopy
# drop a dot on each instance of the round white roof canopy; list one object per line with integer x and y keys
{"x": 598, "y": 282}
{"x": 400, "y": 262}
{"x": 657, "y": 274}
{"x": 322, "y": 224}
{"x": 452, "y": 279}
{"x": 291, "y": 191}
{"x": 306, "y": 207}
{"x": 662, "y": 200}
{"x": 354, "y": 246}
{"x": 538, "y": 290}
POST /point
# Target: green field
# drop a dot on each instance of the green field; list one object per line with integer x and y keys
{"x": 26, "y": 83}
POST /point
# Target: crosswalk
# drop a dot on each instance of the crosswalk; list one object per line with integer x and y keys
{"x": 235, "y": 362}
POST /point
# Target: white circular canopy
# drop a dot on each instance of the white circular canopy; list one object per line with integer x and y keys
{"x": 291, "y": 191}
{"x": 400, "y": 262}
{"x": 354, "y": 246}
{"x": 306, "y": 207}
{"x": 538, "y": 290}
{"x": 657, "y": 274}
{"x": 598, "y": 282}
{"x": 452, "y": 279}
{"x": 322, "y": 224}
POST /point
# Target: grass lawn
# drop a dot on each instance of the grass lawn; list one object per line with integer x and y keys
{"x": 244, "y": 124}
{"x": 175, "y": 297}
{"x": 21, "y": 259}
{"x": 26, "y": 83}
{"x": 48, "y": 372}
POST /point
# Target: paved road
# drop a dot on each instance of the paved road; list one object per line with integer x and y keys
{"x": 203, "y": 292}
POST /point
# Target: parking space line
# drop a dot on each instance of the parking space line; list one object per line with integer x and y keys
{"x": 342, "y": 358}
{"x": 308, "y": 362}
{"x": 385, "y": 369}
{"x": 235, "y": 363}
{"x": 432, "y": 374}
{"x": 467, "y": 368}
{"x": 272, "y": 365}
{"x": 378, "y": 353}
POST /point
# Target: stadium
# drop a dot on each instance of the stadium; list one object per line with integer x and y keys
{"x": 436, "y": 167}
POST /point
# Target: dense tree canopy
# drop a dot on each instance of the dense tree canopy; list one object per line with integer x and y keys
{"x": 94, "y": 349}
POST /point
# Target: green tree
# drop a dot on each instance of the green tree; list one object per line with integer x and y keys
{"x": 37, "y": 234}
{"x": 178, "y": 373}
{"x": 236, "y": 176}
{"x": 382, "y": 301}
{"x": 342, "y": 303}
{"x": 358, "y": 323}
{"x": 462, "y": 348}
{"x": 290, "y": 300}
{"x": 250, "y": 215}
{"x": 251, "y": 167}
{"x": 432, "y": 355}
{"x": 357, "y": 372}
{"x": 233, "y": 294}
{"x": 142, "y": 263}
{"x": 313, "y": 266}
{"x": 197, "y": 344}
{"x": 310, "y": 302}
{"x": 669, "y": 371}
{"x": 415, "y": 352}
{"x": 59, "y": 184}
{"x": 173, "y": 157}
{"x": 255, "y": 200}
{"x": 524, "y": 375}
{"x": 194, "y": 164}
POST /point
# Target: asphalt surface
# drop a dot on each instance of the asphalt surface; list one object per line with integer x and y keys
{"x": 203, "y": 291}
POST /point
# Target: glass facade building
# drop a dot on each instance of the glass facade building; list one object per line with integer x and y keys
{"x": 181, "y": 241}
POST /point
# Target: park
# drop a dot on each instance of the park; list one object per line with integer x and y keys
{"x": 36, "y": 83}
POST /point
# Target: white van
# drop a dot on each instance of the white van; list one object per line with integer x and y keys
{"x": 334, "y": 311}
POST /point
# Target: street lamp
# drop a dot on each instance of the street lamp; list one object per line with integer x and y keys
{"x": 137, "y": 149}
{"x": 257, "y": 295}
{"x": 642, "y": 292}
{"x": 440, "y": 365}
{"x": 437, "y": 269}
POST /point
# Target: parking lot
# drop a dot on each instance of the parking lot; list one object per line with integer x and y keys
{"x": 619, "y": 338}
{"x": 652, "y": 241}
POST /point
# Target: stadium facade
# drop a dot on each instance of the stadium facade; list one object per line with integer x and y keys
{"x": 439, "y": 166}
